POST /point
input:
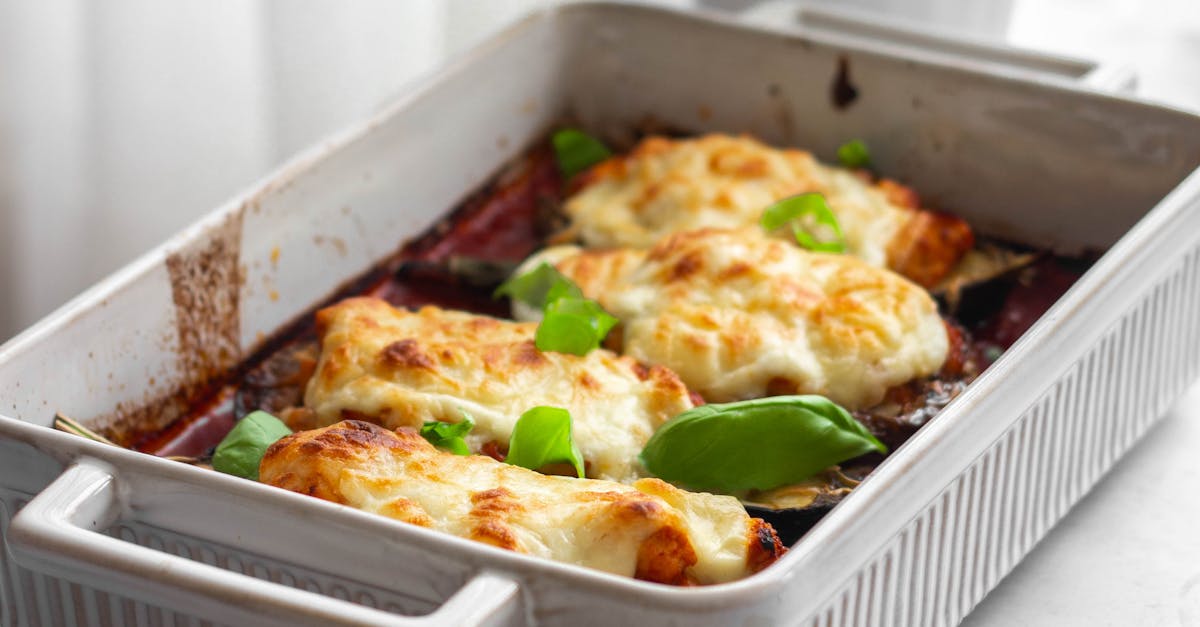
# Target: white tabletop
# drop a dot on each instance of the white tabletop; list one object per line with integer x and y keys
{"x": 1129, "y": 552}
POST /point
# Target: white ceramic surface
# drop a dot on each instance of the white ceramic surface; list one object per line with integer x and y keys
{"x": 918, "y": 543}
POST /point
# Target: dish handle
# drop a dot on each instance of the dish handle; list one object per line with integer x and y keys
{"x": 906, "y": 36}
{"x": 60, "y": 533}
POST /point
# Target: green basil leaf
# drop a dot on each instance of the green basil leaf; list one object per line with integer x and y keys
{"x": 542, "y": 436}
{"x": 449, "y": 435}
{"x": 577, "y": 151}
{"x": 240, "y": 452}
{"x": 573, "y": 325}
{"x": 795, "y": 210}
{"x": 570, "y": 322}
{"x": 759, "y": 444}
{"x": 854, "y": 154}
{"x": 563, "y": 288}
{"x": 536, "y": 286}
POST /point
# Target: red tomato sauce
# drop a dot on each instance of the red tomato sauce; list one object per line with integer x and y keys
{"x": 505, "y": 222}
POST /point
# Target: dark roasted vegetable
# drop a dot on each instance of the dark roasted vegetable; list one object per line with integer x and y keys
{"x": 1036, "y": 289}
{"x": 793, "y": 509}
{"x": 906, "y": 408}
{"x": 278, "y": 382}
{"x": 977, "y": 285}
{"x": 459, "y": 270}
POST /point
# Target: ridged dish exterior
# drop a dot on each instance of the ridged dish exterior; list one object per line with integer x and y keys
{"x": 1125, "y": 348}
{"x": 944, "y": 561}
{"x": 933, "y": 572}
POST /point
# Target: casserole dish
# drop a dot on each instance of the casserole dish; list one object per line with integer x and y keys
{"x": 121, "y": 537}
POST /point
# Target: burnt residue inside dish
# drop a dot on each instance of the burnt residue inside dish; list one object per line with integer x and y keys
{"x": 843, "y": 92}
{"x": 458, "y": 262}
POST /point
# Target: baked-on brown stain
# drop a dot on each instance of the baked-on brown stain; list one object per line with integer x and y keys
{"x": 205, "y": 285}
{"x": 843, "y": 92}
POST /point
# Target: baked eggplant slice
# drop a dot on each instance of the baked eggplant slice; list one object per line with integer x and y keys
{"x": 977, "y": 285}
{"x": 794, "y": 509}
{"x": 648, "y": 529}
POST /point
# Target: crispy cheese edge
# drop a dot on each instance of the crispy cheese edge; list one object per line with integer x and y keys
{"x": 668, "y": 185}
{"x": 737, "y": 315}
{"x": 401, "y": 368}
{"x": 650, "y": 531}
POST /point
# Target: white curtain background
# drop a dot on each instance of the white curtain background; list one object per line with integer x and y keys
{"x": 124, "y": 120}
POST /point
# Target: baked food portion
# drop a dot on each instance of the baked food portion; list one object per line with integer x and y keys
{"x": 739, "y": 314}
{"x": 648, "y": 530}
{"x": 400, "y": 368}
{"x": 665, "y": 186}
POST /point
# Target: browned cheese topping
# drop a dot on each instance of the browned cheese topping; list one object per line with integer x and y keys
{"x": 738, "y": 314}
{"x": 664, "y": 186}
{"x": 649, "y": 530}
{"x": 401, "y": 368}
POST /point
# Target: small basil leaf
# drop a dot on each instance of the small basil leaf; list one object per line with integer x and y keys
{"x": 758, "y": 444}
{"x": 542, "y": 436}
{"x": 534, "y": 287}
{"x": 570, "y": 323}
{"x": 577, "y": 151}
{"x": 560, "y": 289}
{"x": 795, "y": 210}
{"x": 573, "y": 325}
{"x": 449, "y": 435}
{"x": 241, "y": 451}
{"x": 458, "y": 446}
{"x": 854, "y": 154}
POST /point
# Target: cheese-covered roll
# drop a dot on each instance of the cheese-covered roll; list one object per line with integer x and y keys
{"x": 738, "y": 315}
{"x": 668, "y": 185}
{"x": 401, "y": 368}
{"x": 649, "y": 530}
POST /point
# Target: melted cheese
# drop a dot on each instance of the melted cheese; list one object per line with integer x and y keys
{"x": 740, "y": 315}
{"x": 402, "y": 368}
{"x": 650, "y": 530}
{"x": 666, "y": 186}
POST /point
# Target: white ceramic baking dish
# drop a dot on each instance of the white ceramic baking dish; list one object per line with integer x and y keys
{"x": 99, "y": 535}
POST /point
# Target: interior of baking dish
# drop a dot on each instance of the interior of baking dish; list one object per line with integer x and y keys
{"x": 1045, "y": 166}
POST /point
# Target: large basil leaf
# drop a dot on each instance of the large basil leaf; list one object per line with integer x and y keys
{"x": 758, "y": 444}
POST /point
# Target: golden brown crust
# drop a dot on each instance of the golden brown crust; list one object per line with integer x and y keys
{"x": 930, "y": 246}
{"x": 765, "y": 546}
{"x": 401, "y": 368}
{"x": 665, "y": 557}
{"x": 737, "y": 314}
{"x": 490, "y": 512}
{"x": 668, "y": 185}
{"x": 650, "y": 530}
